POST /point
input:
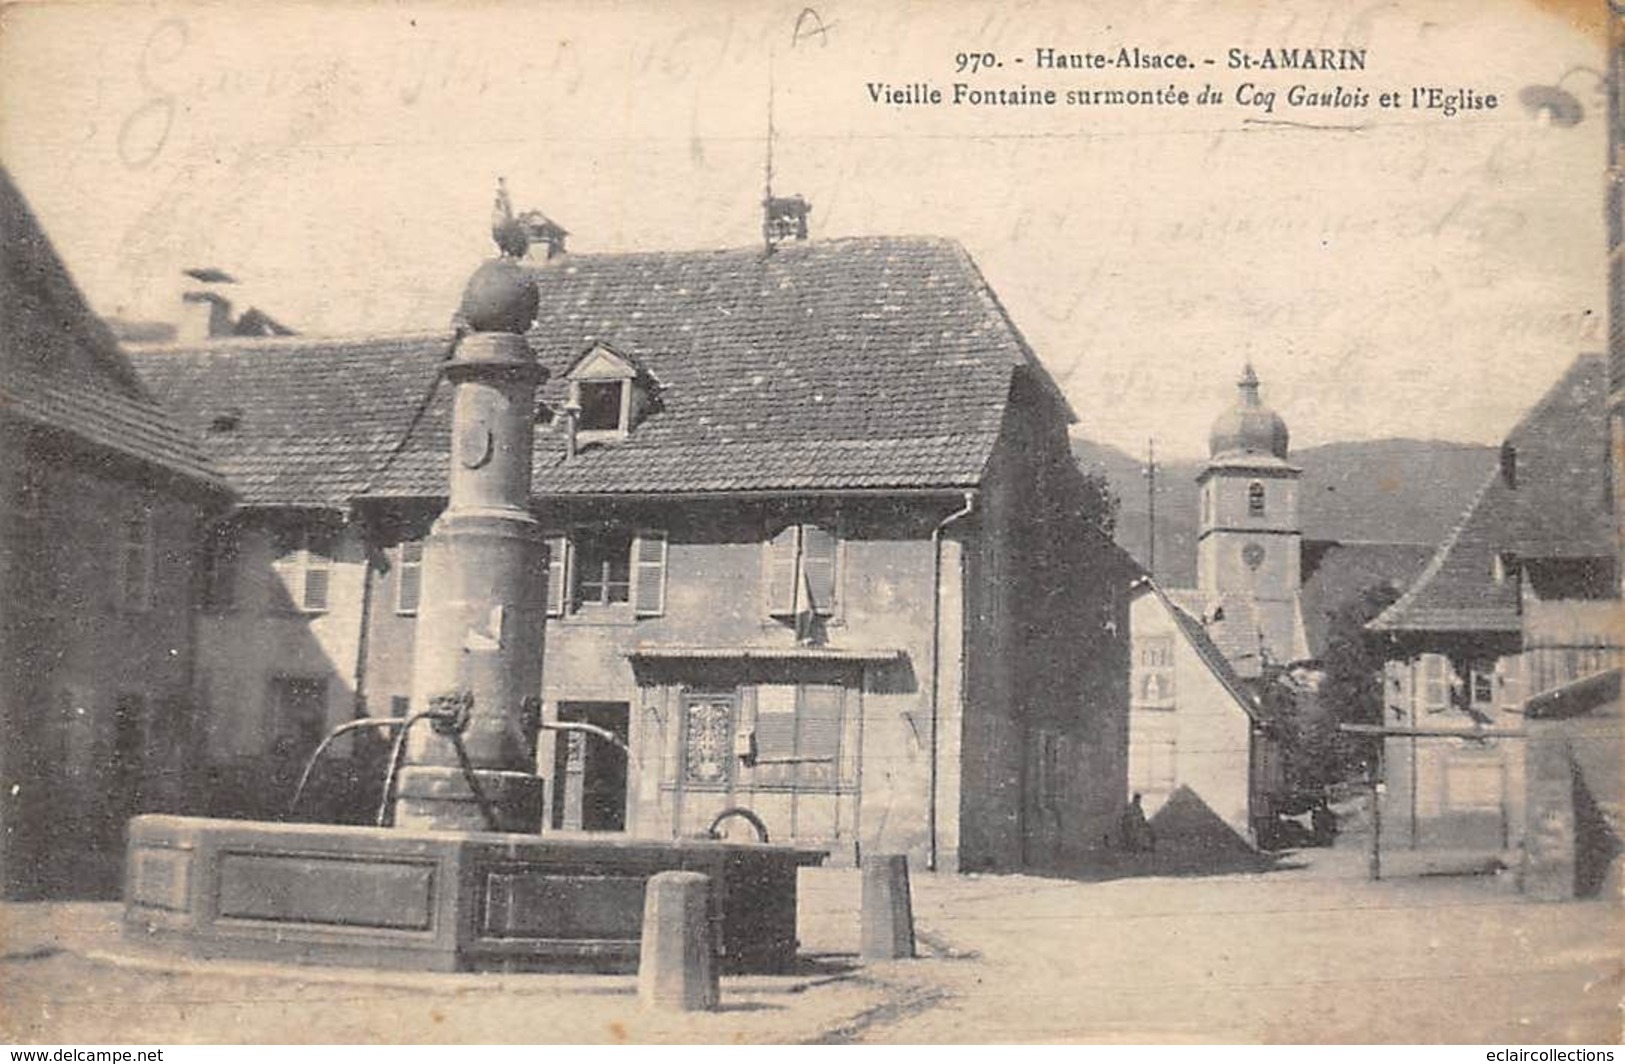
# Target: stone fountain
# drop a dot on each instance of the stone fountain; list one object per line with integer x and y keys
{"x": 463, "y": 879}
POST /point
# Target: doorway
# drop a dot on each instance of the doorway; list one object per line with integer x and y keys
{"x": 589, "y": 790}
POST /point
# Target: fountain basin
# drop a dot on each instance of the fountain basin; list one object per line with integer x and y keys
{"x": 439, "y": 900}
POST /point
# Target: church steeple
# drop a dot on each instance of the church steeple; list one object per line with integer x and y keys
{"x": 1249, "y": 427}
{"x": 1249, "y": 540}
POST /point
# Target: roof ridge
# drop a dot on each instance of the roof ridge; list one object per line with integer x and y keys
{"x": 258, "y": 343}
{"x": 755, "y": 250}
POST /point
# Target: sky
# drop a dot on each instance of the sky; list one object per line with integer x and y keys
{"x": 1389, "y": 271}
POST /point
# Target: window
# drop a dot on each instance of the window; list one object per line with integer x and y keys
{"x": 1255, "y": 499}
{"x": 1154, "y": 672}
{"x": 609, "y": 391}
{"x": 135, "y": 561}
{"x": 603, "y": 406}
{"x": 409, "y": 577}
{"x": 1483, "y": 680}
{"x": 399, "y": 706}
{"x": 1156, "y": 689}
{"x": 798, "y": 736}
{"x": 801, "y": 572}
{"x": 219, "y": 577}
{"x": 607, "y": 567}
{"x": 304, "y": 560}
{"x": 603, "y": 568}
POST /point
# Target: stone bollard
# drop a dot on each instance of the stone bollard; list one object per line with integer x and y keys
{"x": 888, "y": 914}
{"x": 677, "y": 966}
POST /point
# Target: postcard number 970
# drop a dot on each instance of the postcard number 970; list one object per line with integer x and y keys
{"x": 971, "y": 62}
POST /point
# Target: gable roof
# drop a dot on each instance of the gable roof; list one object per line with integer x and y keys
{"x": 1560, "y": 507}
{"x": 1208, "y": 651}
{"x": 301, "y": 421}
{"x": 61, "y": 368}
{"x": 869, "y": 363}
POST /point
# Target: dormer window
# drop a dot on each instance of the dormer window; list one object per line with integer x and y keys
{"x": 603, "y": 405}
{"x": 611, "y": 393}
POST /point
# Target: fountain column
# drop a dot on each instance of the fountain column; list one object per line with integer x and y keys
{"x": 478, "y": 662}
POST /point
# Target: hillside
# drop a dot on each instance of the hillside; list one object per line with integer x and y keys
{"x": 1394, "y": 491}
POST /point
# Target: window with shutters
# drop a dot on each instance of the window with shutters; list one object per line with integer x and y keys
{"x": 219, "y": 576}
{"x": 607, "y": 567}
{"x": 304, "y": 561}
{"x": 797, "y": 734}
{"x": 802, "y": 572}
{"x": 135, "y": 560}
{"x": 409, "y": 577}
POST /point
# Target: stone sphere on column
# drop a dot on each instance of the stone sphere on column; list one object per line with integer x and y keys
{"x": 500, "y": 297}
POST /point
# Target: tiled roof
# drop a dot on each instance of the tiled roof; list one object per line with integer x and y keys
{"x": 1564, "y": 508}
{"x": 1337, "y": 573}
{"x": 61, "y": 368}
{"x": 864, "y": 363}
{"x": 299, "y": 421}
{"x": 1558, "y": 508}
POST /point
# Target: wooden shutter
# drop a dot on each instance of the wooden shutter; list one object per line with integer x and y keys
{"x": 410, "y": 589}
{"x": 558, "y": 575}
{"x": 318, "y": 558}
{"x": 316, "y": 582}
{"x": 779, "y": 571}
{"x": 1435, "y": 683}
{"x": 818, "y": 551}
{"x": 649, "y": 573}
{"x": 818, "y": 735}
{"x": 1399, "y": 693}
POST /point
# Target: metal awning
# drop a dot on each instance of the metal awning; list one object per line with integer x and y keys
{"x": 854, "y": 655}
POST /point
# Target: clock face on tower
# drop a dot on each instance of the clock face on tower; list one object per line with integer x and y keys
{"x": 1252, "y": 555}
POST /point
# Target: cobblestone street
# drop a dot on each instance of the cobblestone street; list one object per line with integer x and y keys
{"x": 1311, "y": 952}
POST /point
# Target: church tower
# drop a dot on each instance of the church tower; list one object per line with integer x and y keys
{"x": 1249, "y": 539}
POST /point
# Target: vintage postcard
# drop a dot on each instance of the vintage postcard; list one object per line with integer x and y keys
{"x": 845, "y": 521}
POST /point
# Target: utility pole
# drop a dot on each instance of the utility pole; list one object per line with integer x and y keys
{"x": 1151, "y": 504}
